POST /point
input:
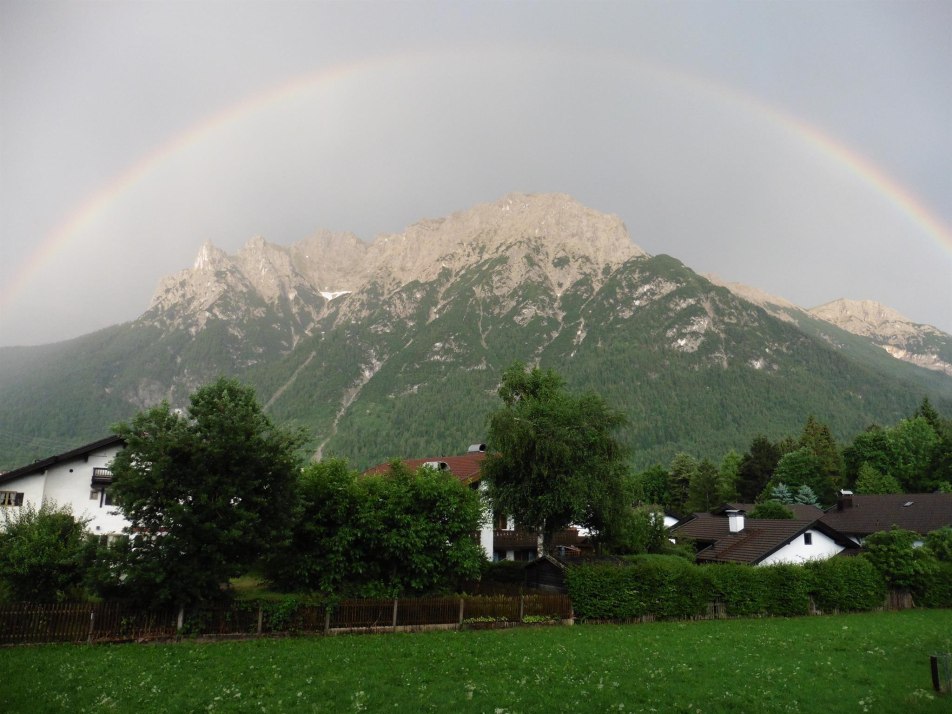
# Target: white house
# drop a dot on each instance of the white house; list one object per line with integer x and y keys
{"x": 728, "y": 536}
{"x": 79, "y": 479}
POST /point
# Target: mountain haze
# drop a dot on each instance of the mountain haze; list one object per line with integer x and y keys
{"x": 396, "y": 348}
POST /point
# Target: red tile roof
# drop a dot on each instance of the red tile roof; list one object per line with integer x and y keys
{"x": 919, "y": 512}
{"x": 464, "y": 467}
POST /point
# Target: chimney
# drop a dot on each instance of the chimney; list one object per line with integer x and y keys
{"x": 735, "y": 521}
{"x": 845, "y": 500}
{"x": 476, "y": 447}
{"x": 436, "y": 465}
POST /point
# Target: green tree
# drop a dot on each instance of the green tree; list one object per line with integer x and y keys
{"x": 756, "y": 468}
{"x": 705, "y": 487}
{"x": 911, "y": 443}
{"x": 806, "y": 496}
{"x": 819, "y": 440}
{"x": 553, "y": 457}
{"x": 773, "y": 510}
{"x": 728, "y": 475}
{"x": 406, "y": 532}
{"x": 940, "y": 543}
{"x": 46, "y": 554}
{"x": 802, "y": 467}
{"x": 870, "y": 447}
{"x": 642, "y": 531}
{"x": 781, "y": 493}
{"x": 650, "y": 487}
{"x": 871, "y": 481}
{"x": 416, "y": 532}
{"x": 206, "y": 493}
{"x": 895, "y": 555}
{"x": 682, "y": 471}
{"x": 325, "y": 547}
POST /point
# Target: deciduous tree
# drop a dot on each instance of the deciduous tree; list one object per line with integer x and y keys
{"x": 553, "y": 456}
{"x": 206, "y": 492}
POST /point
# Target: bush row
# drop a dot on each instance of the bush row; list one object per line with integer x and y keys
{"x": 668, "y": 587}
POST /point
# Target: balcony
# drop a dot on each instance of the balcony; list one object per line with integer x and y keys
{"x": 101, "y": 477}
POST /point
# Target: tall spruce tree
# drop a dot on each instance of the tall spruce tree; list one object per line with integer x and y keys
{"x": 756, "y": 468}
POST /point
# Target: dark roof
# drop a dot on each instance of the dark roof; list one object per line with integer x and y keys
{"x": 801, "y": 511}
{"x": 919, "y": 512}
{"x": 760, "y": 538}
{"x": 43, "y": 464}
{"x": 464, "y": 467}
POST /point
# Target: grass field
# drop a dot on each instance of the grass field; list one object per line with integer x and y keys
{"x": 851, "y": 663}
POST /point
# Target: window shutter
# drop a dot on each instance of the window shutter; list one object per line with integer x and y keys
{"x": 19, "y": 499}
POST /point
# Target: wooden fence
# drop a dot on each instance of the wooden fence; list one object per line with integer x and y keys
{"x": 29, "y": 623}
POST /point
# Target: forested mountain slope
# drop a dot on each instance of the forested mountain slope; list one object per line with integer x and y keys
{"x": 396, "y": 348}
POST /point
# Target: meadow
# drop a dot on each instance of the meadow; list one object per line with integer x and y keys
{"x": 871, "y": 662}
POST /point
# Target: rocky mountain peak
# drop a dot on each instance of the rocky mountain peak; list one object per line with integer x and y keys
{"x": 211, "y": 258}
{"x": 865, "y": 317}
{"x": 904, "y": 339}
{"x": 554, "y": 227}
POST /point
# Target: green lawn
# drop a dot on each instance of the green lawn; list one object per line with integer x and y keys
{"x": 850, "y": 663}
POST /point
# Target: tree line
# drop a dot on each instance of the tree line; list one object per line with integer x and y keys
{"x": 220, "y": 490}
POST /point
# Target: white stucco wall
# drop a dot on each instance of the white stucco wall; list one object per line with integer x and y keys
{"x": 486, "y": 527}
{"x": 69, "y": 483}
{"x": 822, "y": 547}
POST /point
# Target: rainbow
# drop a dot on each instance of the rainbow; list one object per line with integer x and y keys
{"x": 97, "y": 204}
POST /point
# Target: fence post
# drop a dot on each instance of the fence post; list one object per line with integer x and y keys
{"x": 92, "y": 623}
{"x": 461, "y": 603}
{"x": 327, "y": 618}
{"x": 260, "y": 617}
{"x": 180, "y": 621}
{"x": 522, "y": 606}
{"x": 395, "y": 613}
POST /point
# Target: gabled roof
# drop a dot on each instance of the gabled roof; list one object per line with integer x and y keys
{"x": 760, "y": 537}
{"x": 919, "y": 512}
{"x": 43, "y": 464}
{"x": 464, "y": 467}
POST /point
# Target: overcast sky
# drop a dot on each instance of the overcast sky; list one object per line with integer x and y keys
{"x": 804, "y": 148}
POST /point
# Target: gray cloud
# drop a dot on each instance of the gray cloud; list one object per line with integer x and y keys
{"x": 679, "y": 117}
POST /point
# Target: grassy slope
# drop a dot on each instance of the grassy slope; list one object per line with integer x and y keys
{"x": 855, "y": 663}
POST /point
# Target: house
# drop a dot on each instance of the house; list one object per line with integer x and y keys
{"x": 498, "y": 536}
{"x": 78, "y": 478}
{"x": 859, "y": 515}
{"x": 728, "y": 536}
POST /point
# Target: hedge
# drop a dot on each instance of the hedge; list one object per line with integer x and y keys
{"x": 846, "y": 585}
{"x": 672, "y": 588}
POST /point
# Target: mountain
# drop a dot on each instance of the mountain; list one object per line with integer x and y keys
{"x": 396, "y": 348}
{"x": 904, "y": 339}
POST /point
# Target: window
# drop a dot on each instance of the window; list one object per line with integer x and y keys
{"x": 94, "y": 495}
{"x": 11, "y": 498}
{"x": 808, "y": 538}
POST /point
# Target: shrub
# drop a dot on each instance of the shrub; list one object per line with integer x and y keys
{"x": 46, "y": 554}
{"x": 895, "y": 555}
{"x": 937, "y": 588}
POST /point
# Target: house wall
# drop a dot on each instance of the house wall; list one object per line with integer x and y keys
{"x": 486, "y": 527}
{"x": 69, "y": 483}
{"x": 821, "y": 548}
